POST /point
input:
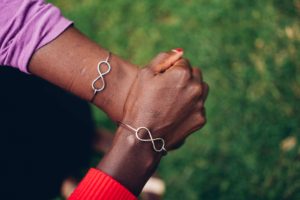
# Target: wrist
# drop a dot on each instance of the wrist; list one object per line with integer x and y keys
{"x": 130, "y": 161}
{"x": 118, "y": 82}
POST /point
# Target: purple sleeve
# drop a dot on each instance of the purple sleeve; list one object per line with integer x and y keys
{"x": 25, "y": 26}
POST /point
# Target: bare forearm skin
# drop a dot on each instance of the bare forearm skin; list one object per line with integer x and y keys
{"x": 70, "y": 62}
{"x": 130, "y": 161}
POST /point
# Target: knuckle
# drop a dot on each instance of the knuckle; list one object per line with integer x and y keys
{"x": 199, "y": 105}
{"x": 184, "y": 63}
{"x": 201, "y": 120}
{"x": 181, "y": 73}
{"x": 185, "y": 73}
{"x": 196, "y": 89}
{"x": 199, "y": 70}
{"x": 196, "y": 71}
{"x": 197, "y": 75}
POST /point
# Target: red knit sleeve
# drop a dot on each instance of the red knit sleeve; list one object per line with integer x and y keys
{"x": 97, "y": 185}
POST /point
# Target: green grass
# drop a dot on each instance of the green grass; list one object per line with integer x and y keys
{"x": 249, "y": 53}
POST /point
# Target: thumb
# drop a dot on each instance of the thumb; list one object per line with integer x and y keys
{"x": 165, "y": 60}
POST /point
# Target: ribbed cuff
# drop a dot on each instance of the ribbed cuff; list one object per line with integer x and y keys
{"x": 97, "y": 185}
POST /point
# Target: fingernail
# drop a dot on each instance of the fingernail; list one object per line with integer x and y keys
{"x": 178, "y": 50}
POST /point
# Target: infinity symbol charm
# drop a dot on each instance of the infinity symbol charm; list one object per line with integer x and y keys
{"x": 151, "y": 139}
{"x": 101, "y": 75}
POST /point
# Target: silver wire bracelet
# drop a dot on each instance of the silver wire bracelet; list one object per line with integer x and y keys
{"x": 151, "y": 139}
{"x": 101, "y": 76}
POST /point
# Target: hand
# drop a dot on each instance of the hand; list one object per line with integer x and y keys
{"x": 112, "y": 99}
{"x": 170, "y": 104}
{"x": 169, "y": 100}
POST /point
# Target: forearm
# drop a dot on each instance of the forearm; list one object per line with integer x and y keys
{"x": 70, "y": 61}
{"x": 123, "y": 171}
{"x": 130, "y": 161}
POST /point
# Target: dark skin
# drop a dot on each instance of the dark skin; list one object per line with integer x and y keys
{"x": 167, "y": 96}
{"x": 70, "y": 61}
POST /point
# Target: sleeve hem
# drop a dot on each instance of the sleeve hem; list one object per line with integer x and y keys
{"x": 57, "y": 30}
{"x": 97, "y": 185}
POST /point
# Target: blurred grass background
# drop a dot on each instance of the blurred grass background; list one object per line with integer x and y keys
{"x": 249, "y": 53}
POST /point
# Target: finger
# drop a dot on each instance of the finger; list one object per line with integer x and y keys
{"x": 205, "y": 91}
{"x": 182, "y": 63}
{"x": 165, "y": 60}
{"x": 197, "y": 74}
{"x": 192, "y": 123}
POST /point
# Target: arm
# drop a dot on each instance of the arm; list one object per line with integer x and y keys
{"x": 35, "y": 38}
{"x": 70, "y": 61}
{"x": 178, "y": 112}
